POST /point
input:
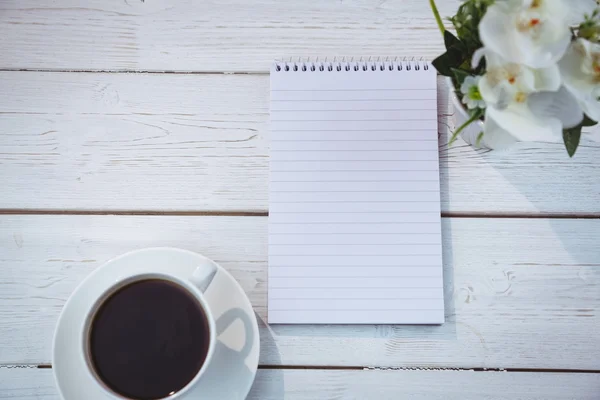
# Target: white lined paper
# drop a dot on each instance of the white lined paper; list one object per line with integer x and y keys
{"x": 354, "y": 215}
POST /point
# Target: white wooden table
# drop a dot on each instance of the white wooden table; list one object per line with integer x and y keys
{"x": 126, "y": 124}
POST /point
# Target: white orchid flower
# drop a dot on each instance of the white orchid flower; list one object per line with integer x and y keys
{"x": 470, "y": 89}
{"x": 526, "y": 103}
{"x": 580, "y": 69}
{"x": 532, "y": 32}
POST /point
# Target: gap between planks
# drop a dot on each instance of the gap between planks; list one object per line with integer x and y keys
{"x": 125, "y": 71}
{"x": 359, "y": 368}
{"x": 244, "y": 213}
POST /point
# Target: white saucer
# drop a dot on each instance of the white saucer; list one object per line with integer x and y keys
{"x": 231, "y": 372}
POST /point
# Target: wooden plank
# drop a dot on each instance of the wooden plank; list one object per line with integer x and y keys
{"x": 229, "y": 35}
{"x": 165, "y": 142}
{"x": 520, "y": 293}
{"x": 274, "y": 384}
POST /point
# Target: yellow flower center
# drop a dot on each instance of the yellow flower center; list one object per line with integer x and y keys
{"x": 596, "y": 68}
{"x": 512, "y": 72}
{"x": 596, "y": 63}
{"x": 520, "y": 97}
{"x": 528, "y": 24}
{"x": 533, "y": 22}
{"x": 530, "y": 20}
{"x": 497, "y": 75}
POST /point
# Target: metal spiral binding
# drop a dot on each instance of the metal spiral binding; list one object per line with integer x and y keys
{"x": 370, "y": 64}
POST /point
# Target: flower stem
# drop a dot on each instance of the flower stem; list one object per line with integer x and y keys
{"x": 479, "y": 137}
{"x": 438, "y": 19}
{"x": 473, "y": 118}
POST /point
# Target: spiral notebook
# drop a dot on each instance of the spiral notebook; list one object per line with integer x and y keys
{"x": 354, "y": 214}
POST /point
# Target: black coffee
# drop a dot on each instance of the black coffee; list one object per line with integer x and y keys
{"x": 149, "y": 339}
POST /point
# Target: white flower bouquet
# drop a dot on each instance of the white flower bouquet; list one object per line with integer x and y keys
{"x": 529, "y": 70}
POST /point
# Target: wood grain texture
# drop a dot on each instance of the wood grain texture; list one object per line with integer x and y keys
{"x": 519, "y": 293}
{"x": 164, "y": 142}
{"x": 229, "y": 35}
{"x": 272, "y": 384}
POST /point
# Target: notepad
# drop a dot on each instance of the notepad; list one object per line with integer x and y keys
{"x": 354, "y": 208}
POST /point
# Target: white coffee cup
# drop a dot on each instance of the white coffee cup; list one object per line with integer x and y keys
{"x": 72, "y": 336}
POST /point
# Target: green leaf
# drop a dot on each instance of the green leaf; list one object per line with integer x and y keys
{"x": 466, "y": 23}
{"x": 459, "y": 75}
{"x": 466, "y": 65}
{"x": 454, "y": 57}
{"x": 442, "y": 65}
{"x": 571, "y": 138}
{"x": 451, "y": 41}
{"x": 450, "y": 59}
{"x": 454, "y": 47}
{"x": 587, "y": 121}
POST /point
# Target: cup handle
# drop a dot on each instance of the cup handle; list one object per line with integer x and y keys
{"x": 203, "y": 275}
{"x": 228, "y": 318}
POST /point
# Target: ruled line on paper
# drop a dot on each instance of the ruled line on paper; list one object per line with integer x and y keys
{"x": 353, "y": 309}
{"x": 360, "y": 110}
{"x": 360, "y": 266}
{"x": 348, "y": 170}
{"x": 390, "y": 181}
{"x": 353, "y": 120}
{"x": 344, "y": 160}
{"x": 331, "y": 140}
{"x": 353, "y": 202}
{"x": 362, "y": 255}
{"x": 312, "y": 151}
{"x": 355, "y": 140}
{"x": 353, "y": 276}
{"x": 347, "y": 212}
{"x": 353, "y": 191}
{"x": 350, "y": 130}
{"x": 357, "y": 223}
{"x": 356, "y": 287}
{"x": 352, "y": 298}
{"x": 346, "y": 90}
{"x": 357, "y": 244}
{"x": 355, "y": 233}
{"x": 361, "y": 100}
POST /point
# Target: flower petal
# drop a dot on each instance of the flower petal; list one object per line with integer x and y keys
{"x": 496, "y": 95}
{"x": 571, "y": 64}
{"x": 501, "y": 31}
{"x": 496, "y": 35}
{"x": 561, "y": 105}
{"x": 592, "y": 108}
{"x": 578, "y": 76}
{"x": 525, "y": 126}
{"x": 467, "y": 84}
{"x": 577, "y": 9}
{"x": 495, "y": 137}
{"x": 547, "y": 78}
